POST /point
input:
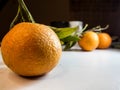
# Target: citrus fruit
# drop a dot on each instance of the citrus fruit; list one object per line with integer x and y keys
{"x": 105, "y": 40}
{"x": 89, "y": 41}
{"x": 31, "y": 49}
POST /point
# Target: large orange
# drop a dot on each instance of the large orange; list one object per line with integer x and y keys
{"x": 31, "y": 49}
{"x": 89, "y": 41}
{"x": 105, "y": 40}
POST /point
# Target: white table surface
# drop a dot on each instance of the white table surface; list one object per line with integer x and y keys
{"x": 77, "y": 70}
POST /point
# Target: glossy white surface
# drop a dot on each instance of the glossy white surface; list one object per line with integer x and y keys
{"x": 77, "y": 70}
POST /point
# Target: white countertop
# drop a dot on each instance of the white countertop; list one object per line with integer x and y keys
{"x": 77, "y": 70}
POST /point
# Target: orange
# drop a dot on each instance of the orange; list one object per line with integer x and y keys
{"x": 89, "y": 41}
{"x": 105, "y": 40}
{"x": 31, "y": 49}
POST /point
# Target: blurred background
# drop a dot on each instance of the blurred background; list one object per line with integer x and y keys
{"x": 91, "y": 12}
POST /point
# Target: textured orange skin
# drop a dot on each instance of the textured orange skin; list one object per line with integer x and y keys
{"x": 105, "y": 40}
{"x": 89, "y": 41}
{"x": 31, "y": 49}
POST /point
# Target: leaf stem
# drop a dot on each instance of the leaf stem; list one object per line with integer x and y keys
{"x": 84, "y": 27}
{"x": 25, "y": 9}
{"x": 23, "y": 14}
{"x": 16, "y": 18}
{"x": 99, "y": 29}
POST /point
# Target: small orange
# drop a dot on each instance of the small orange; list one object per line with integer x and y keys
{"x": 105, "y": 40}
{"x": 31, "y": 49}
{"x": 89, "y": 41}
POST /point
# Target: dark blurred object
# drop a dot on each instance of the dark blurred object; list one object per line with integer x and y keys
{"x": 59, "y": 24}
{"x": 2, "y": 3}
{"x": 115, "y": 42}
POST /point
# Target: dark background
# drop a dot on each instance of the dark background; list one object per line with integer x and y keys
{"x": 92, "y": 12}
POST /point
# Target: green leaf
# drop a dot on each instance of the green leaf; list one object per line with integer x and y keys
{"x": 69, "y": 45}
{"x": 71, "y": 38}
{"x": 55, "y": 29}
{"x": 70, "y": 41}
{"x": 64, "y": 32}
